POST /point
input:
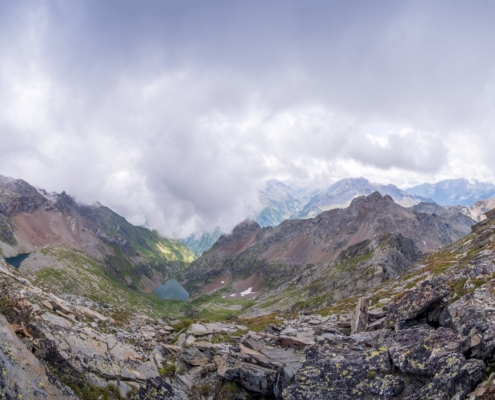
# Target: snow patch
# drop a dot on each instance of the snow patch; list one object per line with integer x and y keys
{"x": 247, "y": 291}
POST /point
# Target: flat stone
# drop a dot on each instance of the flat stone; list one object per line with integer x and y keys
{"x": 193, "y": 356}
{"x": 47, "y": 304}
{"x": 204, "y": 345}
{"x": 167, "y": 328}
{"x": 59, "y": 305}
{"x": 93, "y": 314}
{"x": 289, "y": 331}
{"x": 56, "y": 320}
{"x": 190, "y": 340}
{"x": 300, "y": 341}
{"x": 376, "y": 325}
{"x": 475, "y": 340}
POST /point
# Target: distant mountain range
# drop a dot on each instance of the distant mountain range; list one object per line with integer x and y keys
{"x": 340, "y": 195}
{"x": 452, "y": 192}
{"x": 280, "y": 201}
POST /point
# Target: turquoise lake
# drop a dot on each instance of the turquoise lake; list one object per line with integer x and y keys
{"x": 172, "y": 290}
{"x": 17, "y": 260}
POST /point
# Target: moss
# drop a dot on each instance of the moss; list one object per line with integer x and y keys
{"x": 410, "y": 285}
{"x": 121, "y": 317}
{"x": 458, "y": 287}
{"x": 371, "y": 374}
{"x": 204, "y": 389}
{"x": 477, "y": 282}
{"x": 168, "y": 370}
{"x": 259, "y": 324}
{"x": 230, "y": 387}
{"x": 90, "y": 392}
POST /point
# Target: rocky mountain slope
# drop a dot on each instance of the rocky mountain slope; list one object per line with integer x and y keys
{"x": 427, "y": 334}
{"x": 454, "y": 191}
{"x": 479, "y": 208}
{"x": 331, "y": 247}
{"x": 459, "y": 217}
{"x": 71, "y": 244}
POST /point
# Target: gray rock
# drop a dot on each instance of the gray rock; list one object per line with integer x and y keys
{"x": 21, "y": 373}
{"x": 193, "y": 356}
{"x": 56, "y": 320}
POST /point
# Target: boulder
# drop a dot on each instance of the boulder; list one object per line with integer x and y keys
{"x": 372, "y": 364}
{"x": 253, "y": 377}
{"x": 413, "y": 303}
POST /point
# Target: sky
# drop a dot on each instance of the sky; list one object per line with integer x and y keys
{"x": 173, "y": 113}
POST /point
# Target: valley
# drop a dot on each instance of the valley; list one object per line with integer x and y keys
{"x": 390, "y": 301}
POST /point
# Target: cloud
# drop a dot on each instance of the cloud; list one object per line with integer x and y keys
{"x": 174, "y": 112}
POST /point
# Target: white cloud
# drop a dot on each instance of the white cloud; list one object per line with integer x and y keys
{"x": 175, "y": 113}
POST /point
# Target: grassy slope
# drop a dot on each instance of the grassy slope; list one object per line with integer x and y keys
{"x": 74, "y": 272}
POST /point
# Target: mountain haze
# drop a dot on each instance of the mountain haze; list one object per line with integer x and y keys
{"x": 280, "y": 202}
{"x": 341, "y": 193}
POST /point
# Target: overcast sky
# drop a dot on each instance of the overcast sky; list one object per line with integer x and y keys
{"x": 173, "y": 112}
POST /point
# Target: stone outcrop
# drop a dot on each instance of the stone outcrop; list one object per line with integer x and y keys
{"x": 381, "y": 364}
{"x": 359, "y": 320}
{"x": 414, "y": 303}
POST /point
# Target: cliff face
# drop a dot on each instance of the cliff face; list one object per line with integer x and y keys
{"x": 295, "y": 244}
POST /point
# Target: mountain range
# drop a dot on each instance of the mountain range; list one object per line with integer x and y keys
{"x": 279, "y": 201}
{"x": 373, "y": 300}
{"x": 370, "y": 227}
